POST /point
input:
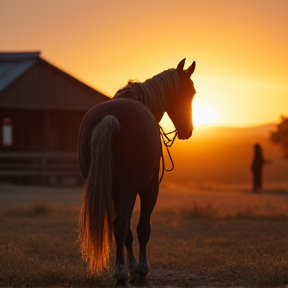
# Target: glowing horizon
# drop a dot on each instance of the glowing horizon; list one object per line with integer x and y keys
{"x": 240, "y": 47}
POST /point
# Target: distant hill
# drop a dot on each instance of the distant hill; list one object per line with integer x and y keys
{"x": 222, "y": 156}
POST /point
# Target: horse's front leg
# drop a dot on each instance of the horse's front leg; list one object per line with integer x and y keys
{"x": 131, "y": 259}
{"x": 120, "y": 273}
{"x": 124, "y": 206}
{"x": 143, "y": 231}
{"x": 148, "y": 200}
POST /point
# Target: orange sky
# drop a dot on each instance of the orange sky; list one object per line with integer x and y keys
{"x": 240, "y": 46}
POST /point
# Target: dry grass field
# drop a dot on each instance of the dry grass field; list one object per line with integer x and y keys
{"x": 200, "y": 238}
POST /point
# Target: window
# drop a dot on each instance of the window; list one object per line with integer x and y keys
{"x": 7, "y": 132}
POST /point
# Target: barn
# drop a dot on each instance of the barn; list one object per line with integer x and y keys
{"x": 41, "y": 108}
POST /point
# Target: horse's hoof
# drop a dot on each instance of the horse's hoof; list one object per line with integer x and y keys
{"x": 143, "y": 268}
{"x": 142, "y": 282}
{"x": 132, "y": 278}
{"x": 120, "y": 272}
{"x": 122, "y": 284}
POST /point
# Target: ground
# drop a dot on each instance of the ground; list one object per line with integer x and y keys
{"x": 200, "y": 238}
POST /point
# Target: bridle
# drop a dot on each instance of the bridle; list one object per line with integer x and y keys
{"x": 167, "y": 143}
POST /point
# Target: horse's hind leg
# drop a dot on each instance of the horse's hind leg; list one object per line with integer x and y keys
{"x": 131, "y": 260}
{"x": 124, "y": 207}
{"x": 148, "y": 200}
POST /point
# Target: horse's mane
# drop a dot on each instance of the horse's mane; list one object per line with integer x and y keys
{"x": 154, "y": 92}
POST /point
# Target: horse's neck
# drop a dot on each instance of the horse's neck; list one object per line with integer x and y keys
{"x": 158, "y": 115}
{"x": 154, "y": 93}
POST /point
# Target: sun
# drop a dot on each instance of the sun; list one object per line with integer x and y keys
{"x": 203, "y": 114}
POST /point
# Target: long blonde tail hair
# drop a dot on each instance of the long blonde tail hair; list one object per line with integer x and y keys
{"x": 97, "y": 209}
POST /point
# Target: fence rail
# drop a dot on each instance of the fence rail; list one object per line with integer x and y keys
{"x": 45, "y": 166}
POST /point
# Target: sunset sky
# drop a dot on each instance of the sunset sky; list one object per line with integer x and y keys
{"x": 240, "y": 47}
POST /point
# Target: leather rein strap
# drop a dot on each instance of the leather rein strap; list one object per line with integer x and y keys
{"x": 167, "y": 143}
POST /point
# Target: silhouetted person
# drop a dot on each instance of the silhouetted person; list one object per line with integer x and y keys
{"x": 256, "y": 167}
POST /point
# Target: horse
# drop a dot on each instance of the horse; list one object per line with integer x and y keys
{"x": 119, "y": 153}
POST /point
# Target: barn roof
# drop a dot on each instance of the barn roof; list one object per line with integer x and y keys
{"x": 13, "y": 65}
{"x": 29, "y": 82}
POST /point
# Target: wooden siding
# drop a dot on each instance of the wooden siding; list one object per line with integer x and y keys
{"x": 39, "y": 130}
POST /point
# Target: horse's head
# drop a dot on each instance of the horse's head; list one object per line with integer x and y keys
{"x": 180, "y": 107}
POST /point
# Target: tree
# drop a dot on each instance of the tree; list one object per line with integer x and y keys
{"x": 280, "y": 136}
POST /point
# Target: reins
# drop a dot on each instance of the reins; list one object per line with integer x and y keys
{"x": 167, "y": 143}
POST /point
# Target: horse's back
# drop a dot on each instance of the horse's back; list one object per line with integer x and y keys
{"x": 136, "y": 148}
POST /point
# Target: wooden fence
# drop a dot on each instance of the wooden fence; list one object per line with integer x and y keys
{"x": 47, "y": 168}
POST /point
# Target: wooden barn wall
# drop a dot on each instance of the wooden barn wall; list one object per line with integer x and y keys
{"x": 45, "y": 87}
{"x": 39, "y": 130}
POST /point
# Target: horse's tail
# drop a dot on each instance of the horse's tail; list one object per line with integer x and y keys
{"x": 97, "y": 209}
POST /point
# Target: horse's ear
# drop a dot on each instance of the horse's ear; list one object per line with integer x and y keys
{"x": 191, "y": 69}
{"x": 180, "y": 66}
